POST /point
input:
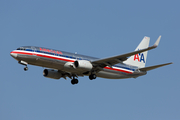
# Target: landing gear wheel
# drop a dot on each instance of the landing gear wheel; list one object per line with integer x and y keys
{"x": 92, "y": 76}
{"x": 26, "y": 68}
{"x": 74, "y": 81}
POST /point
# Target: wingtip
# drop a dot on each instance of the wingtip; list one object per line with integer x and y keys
{"x": 169, "y": 63}
{"x": 157, "y": 41}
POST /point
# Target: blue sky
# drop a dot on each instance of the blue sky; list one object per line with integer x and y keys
{"x": 98, "y": 28}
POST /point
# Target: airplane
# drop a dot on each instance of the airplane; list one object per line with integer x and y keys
{"x": 60, "y": 64}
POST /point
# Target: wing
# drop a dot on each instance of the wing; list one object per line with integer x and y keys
{"x": 120, "y": 58}
{"x": 69, "y": 74}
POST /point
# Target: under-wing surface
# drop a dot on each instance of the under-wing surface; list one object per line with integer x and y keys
{"x": 61, "y": 64}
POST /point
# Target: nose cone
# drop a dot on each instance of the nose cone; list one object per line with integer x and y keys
{"x": 14, "y": 55}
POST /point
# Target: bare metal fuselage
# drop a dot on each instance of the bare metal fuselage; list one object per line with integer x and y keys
{"x": 61, "y": 61}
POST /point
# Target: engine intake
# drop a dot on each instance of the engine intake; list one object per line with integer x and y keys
{"x": 50, "y": 73}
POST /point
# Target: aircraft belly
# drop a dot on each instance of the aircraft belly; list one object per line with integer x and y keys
{"x": 43, "y": 62}
{"x": 49, "y": 63}
{"x": 109, "y": 74}
{"x": 27, "y": 58}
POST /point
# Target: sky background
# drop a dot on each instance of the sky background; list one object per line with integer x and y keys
{"x": 99, "y": 28}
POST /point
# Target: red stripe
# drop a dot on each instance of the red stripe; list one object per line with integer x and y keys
{"x": 51, "y": 57}
{"x": 115, "y": 69}
{"x": 17, "y": 52}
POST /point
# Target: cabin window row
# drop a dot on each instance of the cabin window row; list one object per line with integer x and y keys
{"x": 31, "y": 50}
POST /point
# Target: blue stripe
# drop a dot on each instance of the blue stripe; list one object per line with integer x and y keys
{"x": 65, "y": 56}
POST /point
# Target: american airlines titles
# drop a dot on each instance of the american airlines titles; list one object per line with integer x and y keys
{"x": 51, "y": 51}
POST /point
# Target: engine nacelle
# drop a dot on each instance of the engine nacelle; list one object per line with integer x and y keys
{"x": 50, "y": 73}
{"x": 83, "y": 65}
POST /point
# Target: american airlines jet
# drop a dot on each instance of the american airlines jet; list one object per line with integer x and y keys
{"x": 62, "y": 64}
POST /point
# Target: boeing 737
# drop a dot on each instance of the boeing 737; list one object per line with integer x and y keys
{"x": 59, "y": 64}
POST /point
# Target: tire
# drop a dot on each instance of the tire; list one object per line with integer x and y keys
{"x": 74, "y": 81}
{"x": 26, "y": 68}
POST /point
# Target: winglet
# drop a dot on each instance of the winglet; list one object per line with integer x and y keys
{"x": 157, "y": 41}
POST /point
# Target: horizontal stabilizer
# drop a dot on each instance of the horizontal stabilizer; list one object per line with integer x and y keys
{"x": 153, "y": 67}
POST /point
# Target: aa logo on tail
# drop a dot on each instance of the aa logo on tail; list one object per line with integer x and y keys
{"x": 139, "y": 57}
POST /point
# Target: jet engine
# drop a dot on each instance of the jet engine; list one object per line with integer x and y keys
{"x": 50, "y": 73}
{"x": 83, "y": 65}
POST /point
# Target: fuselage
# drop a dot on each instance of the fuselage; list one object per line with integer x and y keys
{"x": 61, "y": 60}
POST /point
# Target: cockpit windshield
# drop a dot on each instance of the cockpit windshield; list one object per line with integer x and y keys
{"x": 21, "y": 48}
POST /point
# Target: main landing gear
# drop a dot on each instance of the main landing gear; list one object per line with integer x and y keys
{"x": 92, "y": 76}
{"x": 74, "y": 81}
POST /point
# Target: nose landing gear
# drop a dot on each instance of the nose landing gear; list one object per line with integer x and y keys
{"x": 25, "y": 68}
{"x": 24, "y": 63}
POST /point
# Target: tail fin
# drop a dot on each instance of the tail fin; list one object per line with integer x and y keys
{"x": 139, "y": 60}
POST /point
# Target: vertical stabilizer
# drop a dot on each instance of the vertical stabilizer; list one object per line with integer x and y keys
{"x": 139, "y": 60}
